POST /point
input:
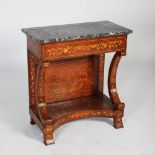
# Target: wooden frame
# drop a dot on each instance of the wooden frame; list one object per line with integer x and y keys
{"x": 91, "y": 103}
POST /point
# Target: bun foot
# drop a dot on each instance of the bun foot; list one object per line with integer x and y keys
{"x": 48, "y": 135}
{"x": 32, "y": 121}
{"x": 48, "y": 142}
{"x": 118, "y": 122}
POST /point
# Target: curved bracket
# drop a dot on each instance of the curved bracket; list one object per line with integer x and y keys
{"x": 40, "y": 97}
{"x": 112, "y": 82}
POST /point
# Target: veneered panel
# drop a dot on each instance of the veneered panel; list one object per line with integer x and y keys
{"x": 70, "y": 79}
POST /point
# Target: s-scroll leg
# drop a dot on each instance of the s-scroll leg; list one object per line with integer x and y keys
{"x": 118, "y": 105}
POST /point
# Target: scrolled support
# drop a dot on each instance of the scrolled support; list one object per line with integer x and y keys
{"x": 119, "y": 106}
{"x": 40, "y": 97}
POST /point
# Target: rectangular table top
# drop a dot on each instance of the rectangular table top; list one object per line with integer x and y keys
{"x": 75, "y": 31}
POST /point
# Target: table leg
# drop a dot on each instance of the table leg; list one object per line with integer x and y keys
{"x": 119, "y": 106}
{"x": 32, "y": 121}
{"x": 41, "y": 104}
{"x": 48, "y": 135}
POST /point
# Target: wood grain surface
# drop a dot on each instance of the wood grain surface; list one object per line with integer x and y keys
{"x": 66, "y": 82}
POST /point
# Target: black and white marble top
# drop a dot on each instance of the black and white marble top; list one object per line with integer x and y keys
{"x": 75, "y": 31}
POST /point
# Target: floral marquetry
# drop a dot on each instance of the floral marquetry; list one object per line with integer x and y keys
{"x": 85, "y": 47}
{"x": 66, "y": 73}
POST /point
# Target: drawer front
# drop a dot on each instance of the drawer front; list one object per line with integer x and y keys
{"x": 83, "y": 47}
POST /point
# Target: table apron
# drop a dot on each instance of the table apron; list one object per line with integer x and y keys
{"x": 83, "y": 47}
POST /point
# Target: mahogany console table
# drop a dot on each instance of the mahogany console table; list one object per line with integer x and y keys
{"x": 66, "y": 71}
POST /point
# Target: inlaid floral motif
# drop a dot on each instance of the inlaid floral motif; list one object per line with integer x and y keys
{"x": 83, "y": 47}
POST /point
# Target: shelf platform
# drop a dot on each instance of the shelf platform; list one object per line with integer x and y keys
{"x": 84, "y": 104}
{"x": 85, "y": 107}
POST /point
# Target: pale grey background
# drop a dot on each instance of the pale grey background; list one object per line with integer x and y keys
{"x": 136, "y": 81}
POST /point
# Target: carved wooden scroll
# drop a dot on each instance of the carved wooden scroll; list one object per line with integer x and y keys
{"x": 40, "y": 96}
{"x": 113, "y": 90}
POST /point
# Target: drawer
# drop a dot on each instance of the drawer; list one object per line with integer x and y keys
{"x": 83, "y": 47}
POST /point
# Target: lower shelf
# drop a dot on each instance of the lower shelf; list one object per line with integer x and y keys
{"x": 63, "y": 112}
{"x": 90, "y": 103}
{"x": 90, "y": 106}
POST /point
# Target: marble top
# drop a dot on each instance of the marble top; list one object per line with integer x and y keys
{"x": 75, "y": 31}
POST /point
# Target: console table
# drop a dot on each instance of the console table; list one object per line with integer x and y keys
{"x": 66, "y": 72}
